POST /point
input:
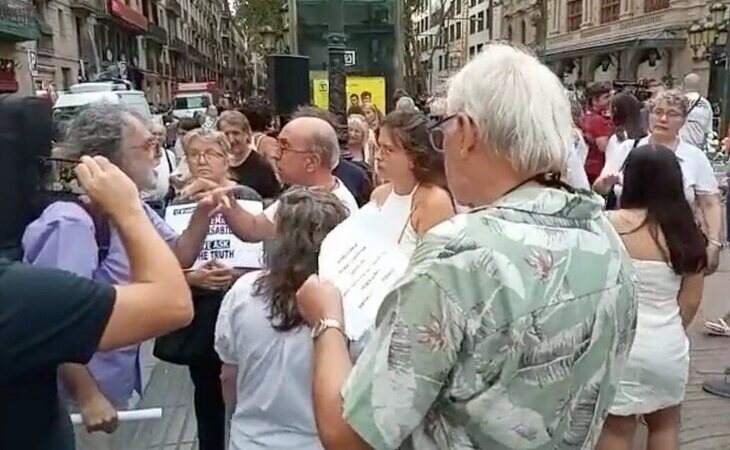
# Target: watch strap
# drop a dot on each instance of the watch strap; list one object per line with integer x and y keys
{"x": 325, "y": 324}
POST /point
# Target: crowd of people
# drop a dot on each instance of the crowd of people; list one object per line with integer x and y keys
{"x": 548, "y": 248}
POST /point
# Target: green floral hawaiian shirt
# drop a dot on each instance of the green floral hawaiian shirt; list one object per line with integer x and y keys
{"x": 508, "y": 332}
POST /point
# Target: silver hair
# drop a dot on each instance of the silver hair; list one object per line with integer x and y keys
{"x": 405, "y": 104}
{"x": 325, "y": 144}
{"x": 97, "y": 130}
{"x": 519, "y": 106}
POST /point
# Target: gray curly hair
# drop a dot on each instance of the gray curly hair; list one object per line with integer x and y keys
{"x": 97, "y": 130}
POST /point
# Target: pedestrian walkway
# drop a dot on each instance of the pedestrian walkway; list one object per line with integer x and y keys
{"x": 171, "y": 389}
{"x": 705, "y": 418}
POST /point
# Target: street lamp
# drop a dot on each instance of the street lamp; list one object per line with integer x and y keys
{"x": 268, "y": 35}
{"x": 717, "y": 11}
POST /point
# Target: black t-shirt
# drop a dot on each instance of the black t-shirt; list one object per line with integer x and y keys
{"x": 355, "y": 179}
{"x": 47, "y": 317}
{"x": 256, "y": 173}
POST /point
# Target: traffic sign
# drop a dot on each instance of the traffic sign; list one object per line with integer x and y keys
{"x": 33, "y": 62}
{"x": 350, "y": 58}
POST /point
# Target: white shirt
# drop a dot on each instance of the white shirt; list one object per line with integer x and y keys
{"x": 274, "y": 380}
{"x": 163, "y": 171}
{"x": 575, "y": 166}
{"x": 340, "y": 191}
{"x": 698, "y": 126}
{"x": 699, "y": 177}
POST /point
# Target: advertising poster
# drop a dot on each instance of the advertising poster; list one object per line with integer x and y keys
{"x": 356, "y": 86}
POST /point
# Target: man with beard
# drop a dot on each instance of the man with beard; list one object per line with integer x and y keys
{"x": 75, "y": 238}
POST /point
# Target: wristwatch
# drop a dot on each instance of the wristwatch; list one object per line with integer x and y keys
{"x": 324, "y": 324}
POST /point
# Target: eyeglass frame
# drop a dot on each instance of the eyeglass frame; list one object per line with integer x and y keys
{"x": 438, "y": 126}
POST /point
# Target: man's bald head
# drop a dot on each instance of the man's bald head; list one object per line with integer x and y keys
{"x": 320, "y": 136}
{"x": 691, "y": 83}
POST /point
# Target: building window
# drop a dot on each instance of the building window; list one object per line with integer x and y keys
{"x": 480, "y": 21}
{"x": 472, "y": 24}
{"x": 610, "y": 10}
{"x": 509, "y": 32}
{"x": 472, "y": 3}
{"x": 655, "y": 5}
{"x": 523, "y": 32}
{"x": 441, "y": 63}
{"x": 61, "y": 23}
{"x": 452, "y": 34}
{"x": 479, "y": 48}
{"x": 575, "y": 14}
{"x": 458, "y": 7}
{"x": 472, "y": 51}
{"x": 458, "y": 30}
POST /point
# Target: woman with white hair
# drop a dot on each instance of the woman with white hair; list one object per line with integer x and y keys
{"x": 509, "y": 325}
{"x": 207, "y": 153}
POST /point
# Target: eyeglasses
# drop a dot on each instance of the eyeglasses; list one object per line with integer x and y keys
{"x": 436, "y": 133}
{"x": 208, "y": 154}
{"x": 283, "y": 147}
{"x": 147, "y": 144}
{"x": 671, "y": 114}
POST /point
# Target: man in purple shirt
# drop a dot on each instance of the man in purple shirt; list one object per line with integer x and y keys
{"x": 64, "y": 237}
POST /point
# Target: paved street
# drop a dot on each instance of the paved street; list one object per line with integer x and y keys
{"x": 705, "y": 424}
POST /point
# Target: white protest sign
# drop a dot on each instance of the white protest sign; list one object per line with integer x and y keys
{"x": 220, "y": 243}
{"x": 364, "y": 265}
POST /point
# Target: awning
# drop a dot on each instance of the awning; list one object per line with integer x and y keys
{"x": 662, "y": 39}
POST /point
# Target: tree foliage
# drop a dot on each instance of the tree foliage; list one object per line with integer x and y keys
{"x": 253, "y": 15}
{"x": 417, "y": 68}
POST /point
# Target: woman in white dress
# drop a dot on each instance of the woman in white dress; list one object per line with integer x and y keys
{"x": 668, "y": 113}
{"x": 667, "y": 247}
{"x": 412, "y": 200}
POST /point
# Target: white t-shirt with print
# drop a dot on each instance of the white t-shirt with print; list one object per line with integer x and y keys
{"x": 699, "y": 177}
{"x": 340, "y": 192}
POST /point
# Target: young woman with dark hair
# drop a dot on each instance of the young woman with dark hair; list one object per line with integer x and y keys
{"x": 668, "y": 251}
{"x": 414, "y": 197}
{"x": 264, "y": 343}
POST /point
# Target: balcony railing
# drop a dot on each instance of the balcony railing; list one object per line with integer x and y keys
{"x": 178, "y": 45}
{"x": 17, "y": 21}
{"x": 174, "y": 7}
{"x": 86, "y": 5}
{"x": 157, "y": 33}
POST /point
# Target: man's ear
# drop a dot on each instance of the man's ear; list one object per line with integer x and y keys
{"x": 469, "y": 133}
{"x": 313, "y": 162}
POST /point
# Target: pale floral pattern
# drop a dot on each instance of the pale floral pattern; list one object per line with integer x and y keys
{"x": 508, "y": 332}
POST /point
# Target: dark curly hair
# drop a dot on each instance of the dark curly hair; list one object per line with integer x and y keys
{"x": 411, "y": 130}
{"x": 304, "y": 218}
{"x": 258, "y": 111}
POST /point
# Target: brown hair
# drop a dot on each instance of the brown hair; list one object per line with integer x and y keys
{"x": 236, "y": 119}
{"x": 411, "y": 130}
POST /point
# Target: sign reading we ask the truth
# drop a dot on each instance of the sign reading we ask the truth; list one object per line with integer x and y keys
{"x": 220, "y": 244}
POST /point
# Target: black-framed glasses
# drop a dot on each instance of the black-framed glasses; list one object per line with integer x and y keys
{"x": 436, "y": 133}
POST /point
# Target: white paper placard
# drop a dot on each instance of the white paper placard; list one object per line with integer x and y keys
{"x": 364, "y": 265}
{"x": 127, "y": 416}
{"x": 220, "y": 243}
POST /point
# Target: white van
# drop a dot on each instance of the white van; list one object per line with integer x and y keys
{"x": 69, "y": 104}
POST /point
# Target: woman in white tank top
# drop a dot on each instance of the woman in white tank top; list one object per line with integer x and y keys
{"x": 412, "y": 200}
{"x": 668, "y": 252}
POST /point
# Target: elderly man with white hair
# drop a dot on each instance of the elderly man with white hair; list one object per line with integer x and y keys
{"x": 513, "y": 322}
